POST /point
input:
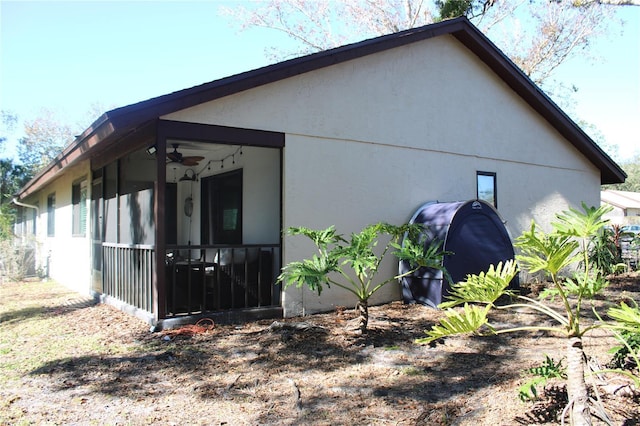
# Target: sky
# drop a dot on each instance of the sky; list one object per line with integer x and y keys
{"x": 69, "y": 56}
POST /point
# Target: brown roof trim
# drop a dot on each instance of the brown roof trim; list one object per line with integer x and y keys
{"x": 127, "y": 119}
{"x": 513, "y": 76}
{"x": 169, "y": 129}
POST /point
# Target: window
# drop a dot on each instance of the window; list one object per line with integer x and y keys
{"x": 222, "y": 206}
{"x": 486, "y": 188}
{"x": 79, "y": 201}
{"x": 34, "y": 217}
{"x": 51, "y": 215}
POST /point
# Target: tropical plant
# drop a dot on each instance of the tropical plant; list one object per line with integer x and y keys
{"x": 550, "y": 253}
{"x": 548, "y": 370}
{"x": 627, "y": 330}
{"x": 605, "y": 251}
{"x": 353, "y": 264}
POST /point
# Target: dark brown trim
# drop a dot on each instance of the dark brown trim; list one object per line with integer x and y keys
{"x": 520, "y": 83}
{"x": 159, "y": 273}
{"x": 113, "y": 149}
{"x": 114, "y": 124}
{"x": 219, "y": 134}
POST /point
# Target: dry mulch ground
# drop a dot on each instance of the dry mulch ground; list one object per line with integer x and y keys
{"x": 67, "y": 362}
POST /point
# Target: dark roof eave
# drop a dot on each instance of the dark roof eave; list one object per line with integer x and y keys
{"x": 123, "y": 119}
{"x": 515, "y": 78}
{"x": 460, "y": 28}
{"x": 79, "y": 149}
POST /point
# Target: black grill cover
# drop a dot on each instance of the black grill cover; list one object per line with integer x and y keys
{"x": 475, "y": 235}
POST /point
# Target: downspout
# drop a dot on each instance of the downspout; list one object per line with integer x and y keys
{"x": 29, "y": 206}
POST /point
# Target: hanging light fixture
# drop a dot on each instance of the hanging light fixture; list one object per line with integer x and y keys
{"x": 188, "y": 177}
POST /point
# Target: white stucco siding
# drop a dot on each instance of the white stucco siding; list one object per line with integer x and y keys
{"x": 386, "y": 183}
{"x": 372, "y": 139}
{"x": 434, "y": 94}
{"x": 68, "y": 257}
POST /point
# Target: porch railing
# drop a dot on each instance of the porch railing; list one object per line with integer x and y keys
{"x": 210, "y": 278}
{"x": 128, "y": 273}
{"x": 199, "y": 279}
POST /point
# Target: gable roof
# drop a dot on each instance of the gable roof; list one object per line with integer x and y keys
{"x": 621, "y": 199}
{"x": 121, "y": 121}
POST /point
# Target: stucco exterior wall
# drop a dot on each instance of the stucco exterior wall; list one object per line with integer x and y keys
{"x": 372, "y": 139}
{"x": 66, "y": 258}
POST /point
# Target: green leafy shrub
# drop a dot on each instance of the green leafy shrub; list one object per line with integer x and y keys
{"x": 353, "y": 264}
{"x": 543, "y": 373}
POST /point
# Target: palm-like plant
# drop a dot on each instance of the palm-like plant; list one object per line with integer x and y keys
{"x": 550, "y": 253}
{"x": 353, "y": 264}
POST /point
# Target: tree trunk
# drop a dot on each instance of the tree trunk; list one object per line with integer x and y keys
{"x": 363, "y": 308}
{"x": 576, "y": 385}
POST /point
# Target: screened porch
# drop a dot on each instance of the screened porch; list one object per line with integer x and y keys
{"x": 217, "y": 251}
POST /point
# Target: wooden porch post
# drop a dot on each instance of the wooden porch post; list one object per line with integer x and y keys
{"x": 159, "y": 276}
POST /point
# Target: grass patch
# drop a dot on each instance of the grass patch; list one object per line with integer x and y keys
{"x": 40, "y": 327}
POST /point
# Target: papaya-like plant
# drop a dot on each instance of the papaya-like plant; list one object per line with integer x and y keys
{"x": 353, "y": 264}
{"x": 626, "y": 328}
{"x": 551, "y": 253}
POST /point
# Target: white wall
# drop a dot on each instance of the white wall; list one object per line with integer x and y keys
{"x": 372, "y": 139}
{"x": 68, "y": 256}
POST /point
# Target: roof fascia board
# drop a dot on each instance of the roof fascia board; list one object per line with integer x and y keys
{"x": 180, "y": 130}
{"x": 515, "y": 78}
{"x": 70, "y": 155}
{"x": 127, "y": 119}
{"x": 460, "y": 28}
{"x": 176, "y": 101}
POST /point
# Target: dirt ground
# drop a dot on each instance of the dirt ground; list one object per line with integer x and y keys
{"x": 303, "y": 371}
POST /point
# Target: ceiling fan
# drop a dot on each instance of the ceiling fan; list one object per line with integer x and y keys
{"x": 185, "y": 160}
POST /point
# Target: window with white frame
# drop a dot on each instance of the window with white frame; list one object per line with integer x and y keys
{"x": 79, "y": 201}
{"x": 51, "y": 215}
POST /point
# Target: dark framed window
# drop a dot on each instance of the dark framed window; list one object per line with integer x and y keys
{"x": 51, "y": 215}
{"x": 486, "y": 188}
{"x": 222, "y": 208}
{"x": 79, "y": 202}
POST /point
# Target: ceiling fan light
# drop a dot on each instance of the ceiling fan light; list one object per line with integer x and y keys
{"x": 188, "y": 177}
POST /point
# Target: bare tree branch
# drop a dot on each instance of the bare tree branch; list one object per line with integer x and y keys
{"x": 607, "y": 2}
{"x": 538, "y": 35}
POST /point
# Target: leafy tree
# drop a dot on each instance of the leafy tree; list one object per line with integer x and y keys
{"x": 551, "y": 253}
{"x": 538, "y": 35}
{"x": 8, "y": 121}
{"x": 470, "y": 8}
{"x": 632, "y": 183}
{"x": 353, "y": 264}
{"x": 45, "y": 137}
{"x": 12, "y": 177}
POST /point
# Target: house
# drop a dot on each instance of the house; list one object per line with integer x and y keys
{"x": 176, "y": 206}
{"x": 625, "y": 204}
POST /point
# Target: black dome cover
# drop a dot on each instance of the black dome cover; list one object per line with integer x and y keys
{"x": 475, "y": 235}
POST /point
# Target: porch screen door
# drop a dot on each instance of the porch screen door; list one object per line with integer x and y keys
{"x": 222, "y": 208}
